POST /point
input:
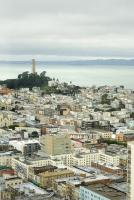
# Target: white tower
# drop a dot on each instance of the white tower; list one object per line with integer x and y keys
{"x": 33, "y": 66}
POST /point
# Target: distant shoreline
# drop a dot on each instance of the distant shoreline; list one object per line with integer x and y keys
{"x": 119, "y": 62}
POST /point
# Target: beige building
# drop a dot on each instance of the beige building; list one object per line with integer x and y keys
{"x": 56, "y": 144}
{"x": 67, "y": 189}
{"x": 47, "y": 179}
{"x": 6, "y": 119}
{"x": 13, "y": 181}
{"x": 103, "y": 134}
{"x": 5, "y": 103}
{"x": 6, "y": 159}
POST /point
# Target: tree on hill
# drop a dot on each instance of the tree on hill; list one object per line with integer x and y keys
{"x": 29, "y": 80}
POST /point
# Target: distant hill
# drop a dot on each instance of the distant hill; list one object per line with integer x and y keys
{"x": 127, "y": 62}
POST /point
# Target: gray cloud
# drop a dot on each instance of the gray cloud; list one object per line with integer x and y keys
{"x": 67, "y": 28}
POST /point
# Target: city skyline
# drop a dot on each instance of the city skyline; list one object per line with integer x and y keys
{"x": 67, "y": 100}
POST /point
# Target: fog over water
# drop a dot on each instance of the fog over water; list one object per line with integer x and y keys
{"x": 80, "y": 75}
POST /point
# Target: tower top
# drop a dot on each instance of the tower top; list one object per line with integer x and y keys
{"x": 33, "y": 66}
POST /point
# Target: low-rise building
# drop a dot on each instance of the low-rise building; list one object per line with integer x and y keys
{"x": 47, "y": 178}
{"x": 101, "y": 192}
{"x": 26, "y": 147}
{"x": 6, "y": 119}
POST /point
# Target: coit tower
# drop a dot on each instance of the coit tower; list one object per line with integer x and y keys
{"x": 33, "y": 66}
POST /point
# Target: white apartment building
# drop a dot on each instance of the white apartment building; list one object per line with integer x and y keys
{"x": 85, "y": 159}
{"x": 110, "y": 159}
{"x": 104, "y": 134}
{"x": 6, "y": 159}
{"x": 22, "y": 166}
{"x": 65, "y": 158}
{"x": 26, "y": 147}
{"x": 130, "y": 171}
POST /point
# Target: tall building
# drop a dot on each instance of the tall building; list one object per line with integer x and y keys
{"x": 56, "y": 144}
{"x": 33, "y": 66}
{"x": 130, "y": 171}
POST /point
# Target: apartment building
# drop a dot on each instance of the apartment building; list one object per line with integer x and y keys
{"x": 6, "y": 159}
{"x": 56, "y": 144}
{"x": 130, "y": 171}
{"x": 6, "y": 119}
{"x": 27, "y": 147}
{"x": 47, "y": 178}
{"x": 100, "y": 192}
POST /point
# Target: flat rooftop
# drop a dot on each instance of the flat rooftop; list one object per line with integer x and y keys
{"x": 28, "y": 187}
{"x": 30, "y": 160}
{"x": 107, "y": 191}
{"x": 110, "y": 166}
{"x": 8, "y": 153}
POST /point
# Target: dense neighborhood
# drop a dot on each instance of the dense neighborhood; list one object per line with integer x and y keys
{"x": 67, "y": 145}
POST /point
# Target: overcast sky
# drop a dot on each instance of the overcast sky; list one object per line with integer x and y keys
{"x": 66, "y": 29}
